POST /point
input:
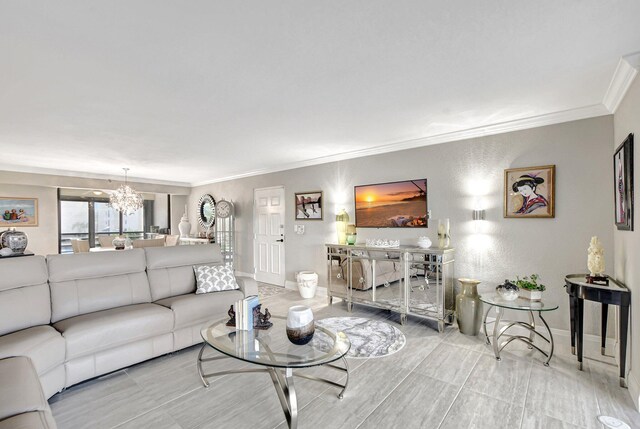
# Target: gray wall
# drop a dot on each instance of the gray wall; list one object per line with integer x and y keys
{"x": 160, "y": 214}
{"x": 627, "y": 243}
{"x": 177, "y": 210}
{"x": 459, "y": 174}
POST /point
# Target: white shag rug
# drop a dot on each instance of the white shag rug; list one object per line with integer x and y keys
{"x": 369, "y": 338}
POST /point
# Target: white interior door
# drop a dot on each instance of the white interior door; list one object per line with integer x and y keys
{"x": 268, "y": 230}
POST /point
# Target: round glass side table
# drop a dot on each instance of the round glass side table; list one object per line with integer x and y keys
{"x": 272, "y": 352}
{"x": 500, "y": 337}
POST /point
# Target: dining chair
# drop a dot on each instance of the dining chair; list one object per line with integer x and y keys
{"x": 151, "y": 242}
{"x": 106, "y": 241}
{"x": 79, "y": 246}
{"x": 172, "y": 240}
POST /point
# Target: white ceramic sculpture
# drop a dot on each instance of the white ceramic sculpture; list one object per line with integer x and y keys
{"x": 184, "y": 226}
{"x": 307, "y": 283}
{"x": 595, "y": 259}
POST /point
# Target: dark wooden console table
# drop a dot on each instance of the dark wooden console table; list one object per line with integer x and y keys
{"x": 612, "y": 294}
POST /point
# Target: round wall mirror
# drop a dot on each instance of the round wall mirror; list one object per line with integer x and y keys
{"x": 206, "y": 211}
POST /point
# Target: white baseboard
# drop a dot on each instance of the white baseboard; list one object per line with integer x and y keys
{"x": 634, "y": 389}
{"x": 288, "y": 284}
{"x": 591, "y": 346}
{"x": 241, "y": 274}
{"x": 291, "y": 285}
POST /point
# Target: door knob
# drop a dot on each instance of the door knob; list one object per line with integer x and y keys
{"x": 280, "y": 241}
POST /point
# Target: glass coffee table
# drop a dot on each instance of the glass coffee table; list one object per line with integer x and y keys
{"x": 272, "y": 351}
{"x": 520, "y": 304}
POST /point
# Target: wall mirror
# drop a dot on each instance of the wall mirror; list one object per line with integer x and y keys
{"x": 206, "y": 211}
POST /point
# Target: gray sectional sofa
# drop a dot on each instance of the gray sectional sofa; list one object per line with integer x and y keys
{"x": 75, "y": 317}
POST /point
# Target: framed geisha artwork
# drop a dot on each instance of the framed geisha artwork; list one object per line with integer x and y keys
{"x": 623, "y": 184}
{"x": 529, "y": 192}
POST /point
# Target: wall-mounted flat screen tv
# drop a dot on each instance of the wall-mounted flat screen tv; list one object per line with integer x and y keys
{"x": 392, "y": 205}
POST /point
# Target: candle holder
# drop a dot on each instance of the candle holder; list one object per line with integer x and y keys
{"x": 444, "y": 233}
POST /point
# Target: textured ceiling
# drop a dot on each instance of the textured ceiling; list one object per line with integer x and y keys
{"x": 196, "y": 91}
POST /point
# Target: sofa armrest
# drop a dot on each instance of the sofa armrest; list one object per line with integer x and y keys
{"x": 248, "y": 286}
{"x": 20, "y": 389}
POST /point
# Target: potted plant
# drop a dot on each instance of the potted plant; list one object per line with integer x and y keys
{"x": 529, "y": 287}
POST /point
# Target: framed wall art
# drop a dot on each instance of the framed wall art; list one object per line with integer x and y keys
{"x": 529, "y": 192}
{"x": 392, "y": 205}
{"x": 18, "y": 212}
{"x": 623, "y": 184}
{"x": 309, "y": 205}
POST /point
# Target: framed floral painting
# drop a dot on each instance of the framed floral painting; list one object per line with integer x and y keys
{"x": 529, "y": 192}
{"x": 623, "y": 184}
{"x": 18, "y": 212}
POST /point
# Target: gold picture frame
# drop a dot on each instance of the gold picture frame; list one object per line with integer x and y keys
{"x": 18, "y": 212}
{"x": 529, "y": 192}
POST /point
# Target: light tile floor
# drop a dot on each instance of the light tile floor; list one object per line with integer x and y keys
{"x": 437, "y": 381}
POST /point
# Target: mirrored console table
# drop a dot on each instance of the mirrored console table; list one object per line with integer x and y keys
{"x": 407, "y": 279}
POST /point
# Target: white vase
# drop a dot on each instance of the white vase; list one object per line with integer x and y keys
{"x": 184, "y": 226}
{"x": 307, "y": 284}
{"x": 300, "y": 324}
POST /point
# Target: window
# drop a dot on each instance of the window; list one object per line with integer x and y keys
{"x": 74, "y": 223}
{"x": 87, "y": 218}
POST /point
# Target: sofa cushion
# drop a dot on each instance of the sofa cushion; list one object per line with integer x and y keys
{"x": 20, "y": 390}
{"x": 191, "y": 308}
{"x": 214, "y": 278}
{"x": 88, "y": 282}
{"x": 32, "y": 420}
{"x": 24, "y": 293}
{"x": 43, "y": 344}
{"x": 102, "y": 330}
{"x": 170, "y": 269}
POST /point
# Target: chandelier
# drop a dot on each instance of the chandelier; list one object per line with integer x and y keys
{"x": 125, "y": 199}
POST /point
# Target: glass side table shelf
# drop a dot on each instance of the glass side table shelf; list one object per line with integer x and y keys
{"x": 520, "y": 304}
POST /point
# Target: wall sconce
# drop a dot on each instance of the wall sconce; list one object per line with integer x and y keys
{"x": 478, "y": 214}
{"x": 342, "y": 219}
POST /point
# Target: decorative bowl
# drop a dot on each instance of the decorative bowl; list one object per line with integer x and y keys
{"x": 508, "y": 291}
{"x": 424, "y": 242}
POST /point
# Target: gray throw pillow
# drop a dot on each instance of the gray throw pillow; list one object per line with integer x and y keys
{"x": 214, "y": 278}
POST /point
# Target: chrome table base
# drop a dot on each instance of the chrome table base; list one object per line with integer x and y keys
{"x": 282, "y": 379}
{"x": 499, "y": 332}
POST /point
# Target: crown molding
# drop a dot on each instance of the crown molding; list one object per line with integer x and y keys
{"x": 86, "y": 175}
{"x": 482, "y": 131}
{"x": 622, "y": 79}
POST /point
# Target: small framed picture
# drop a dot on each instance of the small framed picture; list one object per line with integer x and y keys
{"x": 623, "y": 181}
{"x": 18, "y": 212}
{"x": 309, "y": 205}
{"x": 529, "y": 192}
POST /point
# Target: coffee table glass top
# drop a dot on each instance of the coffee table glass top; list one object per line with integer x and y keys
{"x": 271, "y": 347}
{"x": 518, "y": 304}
